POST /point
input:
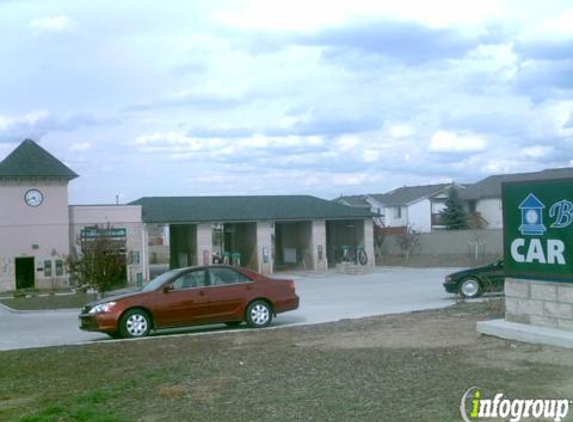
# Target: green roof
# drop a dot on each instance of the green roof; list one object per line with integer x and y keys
{"x": 31, "y": 160}
{"x": 243, "y": 208}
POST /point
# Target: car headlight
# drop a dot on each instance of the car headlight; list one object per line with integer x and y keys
{"x": 448, "y": 279}
{"x": 102, "y": 308}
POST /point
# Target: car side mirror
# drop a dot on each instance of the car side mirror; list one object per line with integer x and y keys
{"x": 167, "y": 288}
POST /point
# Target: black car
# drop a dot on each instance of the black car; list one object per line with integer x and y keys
{"x": 473, "y": 282}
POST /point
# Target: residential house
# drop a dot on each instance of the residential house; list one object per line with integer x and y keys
{"x": 484, "y": 197}
{"x": 415, "y": 206}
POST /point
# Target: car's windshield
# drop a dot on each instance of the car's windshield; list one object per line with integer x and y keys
{"x": 158, "y": 281}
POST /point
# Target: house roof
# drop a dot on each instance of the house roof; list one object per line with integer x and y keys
{"x": 408, "y": 194}
{"x": 353, "y": 201}
{"x": 490, "y": 187}
{"x": 31, "y": 160}
{"x": 243, "y": 208}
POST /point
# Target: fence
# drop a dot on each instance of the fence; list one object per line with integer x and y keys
{"x": 474, "y": 243}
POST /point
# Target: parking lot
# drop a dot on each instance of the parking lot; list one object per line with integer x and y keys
{"x": 325, "y": 297}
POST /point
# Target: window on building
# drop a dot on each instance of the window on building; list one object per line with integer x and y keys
{"x": 134, "y": 258}
{"x": 472, "y": 206}
{"x": 47, "y": 268}
{"x": 397, "y": 212}
{"x": 59, "y": 267}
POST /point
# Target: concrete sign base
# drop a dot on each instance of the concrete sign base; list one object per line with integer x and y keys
{"x": 526, "y": 333}
{"x": 540, "y": 303}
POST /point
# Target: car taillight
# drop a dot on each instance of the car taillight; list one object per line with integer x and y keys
{"x": 291, "y": 286}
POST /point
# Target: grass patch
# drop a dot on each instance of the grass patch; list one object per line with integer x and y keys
{"x": 410, "y": 367}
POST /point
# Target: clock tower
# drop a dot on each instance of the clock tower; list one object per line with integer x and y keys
{"x": 34, "y": 218}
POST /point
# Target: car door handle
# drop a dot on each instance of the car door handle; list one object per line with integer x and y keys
{"x": 201, "y": 293}
{"x": 250, "y": 287}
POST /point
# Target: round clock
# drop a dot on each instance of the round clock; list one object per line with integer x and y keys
{"x": 34, "y": 197}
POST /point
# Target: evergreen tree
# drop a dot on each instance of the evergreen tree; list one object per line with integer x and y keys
{"x": 454, "y": 217}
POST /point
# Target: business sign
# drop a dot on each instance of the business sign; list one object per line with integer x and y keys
{"x": 90, "y": 233}
{"x": 538, "y": 229}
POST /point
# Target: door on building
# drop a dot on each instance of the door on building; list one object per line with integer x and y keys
{"x": 25, "y": 273}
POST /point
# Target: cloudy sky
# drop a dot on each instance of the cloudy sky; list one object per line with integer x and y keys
{"x": 153, "y": 98}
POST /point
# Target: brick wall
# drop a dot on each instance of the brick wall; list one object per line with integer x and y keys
{"x": 541, "y": 303}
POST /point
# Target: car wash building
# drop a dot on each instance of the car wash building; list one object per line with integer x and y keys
{"x": 263, "y": 233}
{"x": 39, "y": 229}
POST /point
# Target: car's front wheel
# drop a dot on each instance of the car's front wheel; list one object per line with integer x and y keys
{"x": 259, "y": 314}
{"x": 135, "y": 323}
{"x": 470, "y": 288}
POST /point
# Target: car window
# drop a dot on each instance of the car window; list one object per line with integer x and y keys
{"x": 224, "y": 276}
{"x": 190, "y": 280}
{"x": 159, "y": 280}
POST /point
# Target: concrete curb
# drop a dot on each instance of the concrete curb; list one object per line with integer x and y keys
{"x": 526, "y": 333}
{"x": 37, "y": 311}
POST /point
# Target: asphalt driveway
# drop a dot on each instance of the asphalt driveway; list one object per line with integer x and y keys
{"x": 325, "y": 297}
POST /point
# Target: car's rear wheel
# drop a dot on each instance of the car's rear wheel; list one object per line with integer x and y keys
{"x": 135, "y": 323}
{"x": 470, "y": 288}
{"x": 259, "y": 314}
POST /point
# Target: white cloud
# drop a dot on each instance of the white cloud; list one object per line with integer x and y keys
{"x": 445, "y": 141}
{"x": 176, "y": 142}
{"x": 371, "y": 155}
{"x": 61, "y": 23}
{"x": 555, "y": 27}
{"x": 537, "y": 151}
{"x": 185, "y": 145}
{"x": 302, "y": 15}
{"x": 35, "y": 117}
{"x": 563, "y": 24}
{"x": 80, "y": 146}
{"x": 5, "y": 122}
{"x": 402, "y": 131}
{"x": 27, "y": 120}
{"x": 347, "y": 143}
{"x": 252, "y": 85}
{"x": 500, "y": 166}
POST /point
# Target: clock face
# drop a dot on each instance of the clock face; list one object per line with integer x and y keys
{"x": 34, "y": 197}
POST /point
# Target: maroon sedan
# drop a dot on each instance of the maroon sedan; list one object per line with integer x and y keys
{"x": 194, "y": 295}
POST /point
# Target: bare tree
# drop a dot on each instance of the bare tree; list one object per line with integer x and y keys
{"x": 100, "y": 261}
{"x": 408, "y": 241}
{"x": 379, "y": 236}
